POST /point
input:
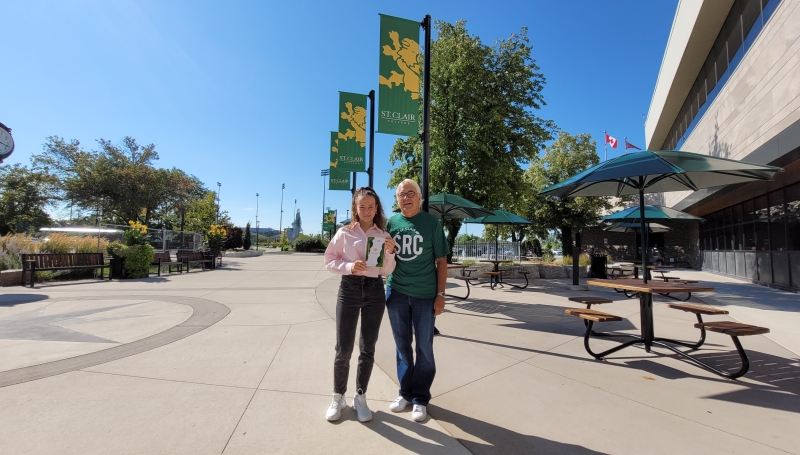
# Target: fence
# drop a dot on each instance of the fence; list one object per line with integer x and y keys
{"x": 506, "y": 251}
{"x": 160, "y": 239}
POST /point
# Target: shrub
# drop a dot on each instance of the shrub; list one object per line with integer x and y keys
{"x": 234, "y": 239}
{"x": 115, "y": 249}
{"x": 136, "y": 234}
{"x": 247, "y": 242}
{"x": 310, "y": 245}
{"x": 137, "y": 257}
{"x": 56, "y": 244}
{"x": 215, "y": 237}
{"x": 469, "y": 262}
{"x": 12, "y": 246}
{"x": 547, "y": 257}
{"x": 583, "y": 259}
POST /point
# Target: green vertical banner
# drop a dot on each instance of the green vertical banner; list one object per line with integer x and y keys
{"x": 329, "y": 220}
{"x": 352, "y": 145}
{"x": 400, "y": 73}
{"x": 334, "y": 150}
{"x": 339, "y": 180}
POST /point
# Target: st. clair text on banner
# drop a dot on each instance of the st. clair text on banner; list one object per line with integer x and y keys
{"x": 399, "y": 76}
{"x": 337, "y": 179}
{"x": 352, "y": 132}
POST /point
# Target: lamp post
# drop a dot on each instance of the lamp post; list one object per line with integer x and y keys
{"x": 219, "y": 188}
{"x": 256, "y": 221}
{"x": 323, "y": 173}
{"x": 280, "y": 224}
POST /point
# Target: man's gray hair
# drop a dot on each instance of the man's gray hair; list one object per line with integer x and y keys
{"x": 410, "y": 182}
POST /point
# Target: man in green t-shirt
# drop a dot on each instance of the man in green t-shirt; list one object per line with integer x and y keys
{"x": 415, "y": 295}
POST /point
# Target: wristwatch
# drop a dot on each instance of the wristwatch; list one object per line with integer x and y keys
{"x": 440, "y": 293}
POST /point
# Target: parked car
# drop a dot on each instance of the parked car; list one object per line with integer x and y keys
{"x": 557, "y": 253}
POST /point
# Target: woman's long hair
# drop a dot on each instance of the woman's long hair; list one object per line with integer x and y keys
{"x": 379, "y": 219}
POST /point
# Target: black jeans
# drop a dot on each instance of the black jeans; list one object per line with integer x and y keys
{"x": 364, "y": 296}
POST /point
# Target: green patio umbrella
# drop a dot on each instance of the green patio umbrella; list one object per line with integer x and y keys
{"x": 498, "y": 217}
{"x": 657, "y": 172}
{"x": 450, "y": 206}
{"x": 636, "y": 227}
{"x": 651, "y": 213}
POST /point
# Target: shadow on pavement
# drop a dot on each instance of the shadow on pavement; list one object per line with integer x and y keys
{"x": 9, "y": 300}
{"x": 499, "y": 440}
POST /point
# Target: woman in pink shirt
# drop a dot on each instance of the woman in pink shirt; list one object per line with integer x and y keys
{"x": 361, "y": 293}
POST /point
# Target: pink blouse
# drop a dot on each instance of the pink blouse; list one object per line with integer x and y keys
{"x": 350, "y": 245}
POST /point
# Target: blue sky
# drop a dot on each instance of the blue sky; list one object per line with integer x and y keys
{"x": 245, "y": 92}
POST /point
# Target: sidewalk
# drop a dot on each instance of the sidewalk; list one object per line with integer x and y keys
{"x": 240, "y": 360}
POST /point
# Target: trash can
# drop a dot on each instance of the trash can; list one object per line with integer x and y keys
{"x": 598, "y": 267}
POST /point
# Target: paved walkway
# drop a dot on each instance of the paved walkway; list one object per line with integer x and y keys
{"x": 239, "y": 360}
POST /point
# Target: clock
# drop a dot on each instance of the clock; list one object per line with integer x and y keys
{"x": 6, "y": 142}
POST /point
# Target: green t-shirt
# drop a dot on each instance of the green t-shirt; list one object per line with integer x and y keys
{"x": 420, "y": 241}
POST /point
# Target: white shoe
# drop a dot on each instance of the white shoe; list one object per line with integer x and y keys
{"x": 361, "y": 408}
{"x": 335, "y": 409}
{"x": 399, "y": 404}
{"x": 419, "y": 413}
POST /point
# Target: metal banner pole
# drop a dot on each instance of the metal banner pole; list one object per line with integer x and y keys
{"x": 371, "y": 169}
{"x": 426, "y": 112}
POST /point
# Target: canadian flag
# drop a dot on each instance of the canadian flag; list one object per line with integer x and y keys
{"x": 611, "y": 140}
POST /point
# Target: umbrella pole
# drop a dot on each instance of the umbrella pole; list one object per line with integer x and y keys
{"x": 644, "y": 233}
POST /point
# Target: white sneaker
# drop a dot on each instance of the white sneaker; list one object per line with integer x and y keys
{"x": 419, "y": 413}
{"x": 361, "y": 408}
{"x": 399, "y": 404}
{"x": 335, "y": 410}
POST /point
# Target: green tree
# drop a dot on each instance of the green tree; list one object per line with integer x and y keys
{"x": 118, "y": 179}
{"x": 25, "y": 196}
{"x": 202, "y": 213}
{"x": 247, "y": 240}
{"x": 483, "y": 127}
{"x": 565, "y": 157}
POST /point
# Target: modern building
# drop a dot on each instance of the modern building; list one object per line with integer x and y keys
{"x": 729, "y": 86}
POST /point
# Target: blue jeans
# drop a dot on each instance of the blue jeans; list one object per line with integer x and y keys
{"x": 412, "y": 316}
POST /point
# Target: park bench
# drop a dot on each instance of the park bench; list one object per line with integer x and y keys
{"x": 164, "y": 259}
{"x": 62, "y": 261}
{"x": 193, "y": 257}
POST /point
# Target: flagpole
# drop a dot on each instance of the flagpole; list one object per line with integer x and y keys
{"x": 371, "y": 169}
{"x": 426, "y": 112}
{"x": 625, "y": 138}
{"x": 605, "y": 145}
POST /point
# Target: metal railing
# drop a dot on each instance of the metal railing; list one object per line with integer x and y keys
{"x": 504, "y": 251}
{"x": 163, "y": 239}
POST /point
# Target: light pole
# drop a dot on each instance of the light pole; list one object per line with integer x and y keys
{"x": 280, "y": 224}
{"x": 256, "y": 221}
{"x": 323, "y": 173}
{"x": 219, "y": 188}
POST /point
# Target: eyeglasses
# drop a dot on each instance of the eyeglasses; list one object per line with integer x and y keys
{"x": 406, "y": 195}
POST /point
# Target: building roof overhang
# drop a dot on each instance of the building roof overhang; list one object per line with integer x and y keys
{"x": 694, "y": 29}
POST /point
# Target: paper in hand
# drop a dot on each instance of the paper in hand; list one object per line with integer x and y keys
{"x": 375, "y": 251}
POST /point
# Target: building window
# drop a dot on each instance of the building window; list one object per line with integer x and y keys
{"x": 744, "y": 23}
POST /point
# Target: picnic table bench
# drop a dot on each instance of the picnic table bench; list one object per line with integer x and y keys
{"x": 465, "y": 276}
{"x": 193, "y": 257}
{"x": 647, "y": 336}
{"x": 62, "y": 261}
{"x": 164, "y": 258}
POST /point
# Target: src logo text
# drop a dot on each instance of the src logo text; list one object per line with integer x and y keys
{"x": 410, "y": 245}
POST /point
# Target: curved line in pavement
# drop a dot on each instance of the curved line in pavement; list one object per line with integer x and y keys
{"x": 205, "y": 313}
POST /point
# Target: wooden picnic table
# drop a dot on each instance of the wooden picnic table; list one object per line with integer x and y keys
{"x": 646, "y": 291}
{"x": 647, "y": 336}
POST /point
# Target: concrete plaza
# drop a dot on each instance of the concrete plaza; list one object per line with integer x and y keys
{"x": 239, "y": 360}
